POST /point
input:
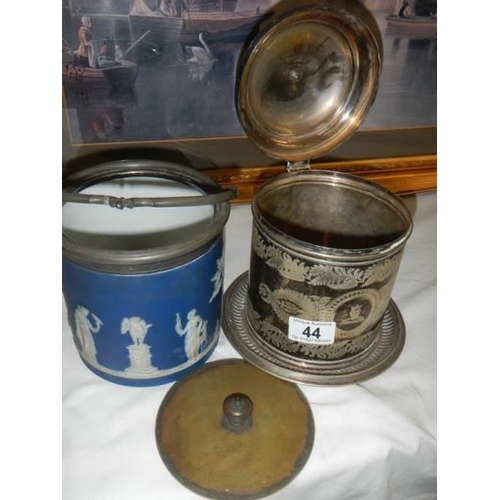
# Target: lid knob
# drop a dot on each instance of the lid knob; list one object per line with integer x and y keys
{"x": 237, "y": 412}
{"x": 225, "y": 457}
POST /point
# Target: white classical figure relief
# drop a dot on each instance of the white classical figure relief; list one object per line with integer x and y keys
{"x": 84, "y": 331}
{"x": 195, "y": 332}
{"x": 217, "y": 279}
{"x": 137, "y": 328}
{"x": 139, "y": 353}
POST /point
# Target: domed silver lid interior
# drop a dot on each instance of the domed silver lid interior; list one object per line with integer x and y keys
{"x": 307, "y": 81}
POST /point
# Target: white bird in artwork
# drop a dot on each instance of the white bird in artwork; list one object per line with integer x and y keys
{"x": 201, "y": 55}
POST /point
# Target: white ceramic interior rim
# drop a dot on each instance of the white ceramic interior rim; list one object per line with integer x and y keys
{"x": 324, "y": 254}
{"x": 148, "y": 259}
{"x": 99, "y": 225}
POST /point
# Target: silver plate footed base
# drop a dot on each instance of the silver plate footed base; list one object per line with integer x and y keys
{"x": 371, "y": 362}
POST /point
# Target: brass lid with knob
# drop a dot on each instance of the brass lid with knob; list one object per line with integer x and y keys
{"x": 230, "y": 431}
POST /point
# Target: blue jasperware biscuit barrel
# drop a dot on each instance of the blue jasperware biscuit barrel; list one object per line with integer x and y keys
{"x": 143, "y": 260}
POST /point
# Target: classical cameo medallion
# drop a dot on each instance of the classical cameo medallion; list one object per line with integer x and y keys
{"x": 286, "y": 303}
{"x": 278, "y": 338}
{"x": 354, "y": 311}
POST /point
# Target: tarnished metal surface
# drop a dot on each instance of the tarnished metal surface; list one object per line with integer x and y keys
{"x": 379, "y": 356}
{"x": 166, "y": 251}
{"x": 214, "y": 460}
{"x": 120, "y": 202}
{"x": 326, "y": 248}
{"x": 307, "y": 81}
{"x": 324, "y": 214}
{"x": 143, "y": 287}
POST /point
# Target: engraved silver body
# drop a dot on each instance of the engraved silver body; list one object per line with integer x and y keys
{"x": 326, "y": 247}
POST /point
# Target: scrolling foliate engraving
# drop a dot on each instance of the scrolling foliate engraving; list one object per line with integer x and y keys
{"x": 343, "y": 349}
{"x": 279, "y": 339}
{"x": 382, "y": 271}
{"x": 292, "y": 269}
{"x": 333, "y": 277}
{"x": 287, "y": 266}
{"x": 259, "y": 247}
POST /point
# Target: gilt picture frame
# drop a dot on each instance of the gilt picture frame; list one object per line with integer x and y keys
{"x": 175, "y": 106}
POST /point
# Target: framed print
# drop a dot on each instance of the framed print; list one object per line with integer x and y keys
{"x": 157, "y": 77}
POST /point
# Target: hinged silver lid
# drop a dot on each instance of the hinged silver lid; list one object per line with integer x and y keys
{"x": 306, "y": 82}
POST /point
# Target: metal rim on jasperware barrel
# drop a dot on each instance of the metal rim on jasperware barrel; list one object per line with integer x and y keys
{"x": 154, "y": 258}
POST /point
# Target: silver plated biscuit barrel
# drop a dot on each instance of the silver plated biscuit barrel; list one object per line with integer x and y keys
{"x": 315, "y": 306}
{"x": 143, "y": 268}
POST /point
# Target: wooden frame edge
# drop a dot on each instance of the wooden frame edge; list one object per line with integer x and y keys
{"x": 401, "y": 175}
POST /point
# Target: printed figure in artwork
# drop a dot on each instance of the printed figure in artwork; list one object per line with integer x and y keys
{"x": 87, "y": 50}
{"x": 84, "y": 331}
{"x": 137, "y": 328}
{"x": 405, "y": 10}
{"x": 195, "y": 332}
